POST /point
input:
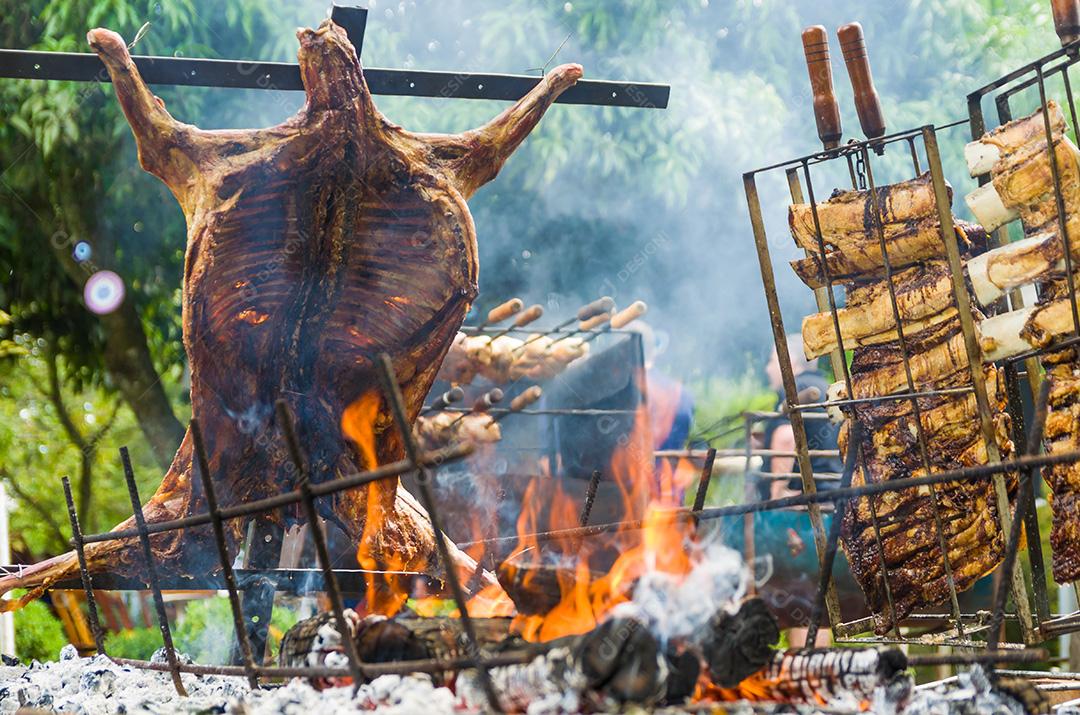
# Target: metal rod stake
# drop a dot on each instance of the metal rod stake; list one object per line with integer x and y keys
{"x": 284, "y": 416}
{"x": 151, "y": 570}
{"x": 423, "y": 481}
{"x": 227, "y": 573}
{"x": 84, "y": 572}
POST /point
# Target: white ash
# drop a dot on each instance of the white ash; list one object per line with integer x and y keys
{"x": 971, "y": 694}
{"x": 98, "y": 686}
{"x": 540, "y": 687}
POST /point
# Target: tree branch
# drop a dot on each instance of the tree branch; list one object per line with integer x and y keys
{"x": 56, "y": 397}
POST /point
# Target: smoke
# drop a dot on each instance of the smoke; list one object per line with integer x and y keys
{"x": 679, "y": 607}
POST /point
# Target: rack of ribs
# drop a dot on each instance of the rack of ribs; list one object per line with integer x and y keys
{"x": 312, "y": 247}
{"x": 1017, "y": 158}
{"x": 910, "y": 544}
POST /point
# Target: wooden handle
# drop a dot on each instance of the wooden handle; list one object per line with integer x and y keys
{"x": 501, "y": 312}
{"x": 528, "y": 316}
{"x": 489, "y": 398}
{"x": 625, "y": 316}
{"x": 815, "y": 41}
{"x": 867, "y": 104}
{"x": 594, "y": 322}
{"x": 526, "y": 398}
{"x": 1066, "y": 20}
{"x": 598, "y": 306}
{"x": 454, "y": 394}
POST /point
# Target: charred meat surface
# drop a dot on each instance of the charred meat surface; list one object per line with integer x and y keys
{"x": 910, "y": 545}
{"x": 892, "y": 540}
{"x": 312, "y": 247}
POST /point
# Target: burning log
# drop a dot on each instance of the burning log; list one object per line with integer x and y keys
{"x": 313, "y": 246}
{"x": 621, "y": 661}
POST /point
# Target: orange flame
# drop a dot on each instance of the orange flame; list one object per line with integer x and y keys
{"x": 593, "y": 580}
{"x": 386, "y": 592}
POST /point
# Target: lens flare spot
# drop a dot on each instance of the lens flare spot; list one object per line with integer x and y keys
{"x": 103, "y": 292}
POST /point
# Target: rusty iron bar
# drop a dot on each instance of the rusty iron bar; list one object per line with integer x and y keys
{"x": 394, "y": 469}
{"x": 423, "y": 480}
{"x": 894, "y": 397}
{"x": 851, "y": 149}
{"x": 821, "y": 295}
{"x": 749, "y": 495}
{"x": 703, "y": 482}
{"x": 84, "y": 572}
{"x": 590, "y": 497}
{"x": 1023, "y": 501}
{"x": 989, "y": 657}
{"x": 838, "y": 354}
{"x": 776, "y": 321}
{"x": 982, "y": 471}
{"x": 974, "y": 355}
{"x": 914, "y": 155}
{"x": 227, "y": 573}
{"x": 1036, "y": 560}
{"x": 920, "y": 430}
{"x": 371, "y": 670}
{"x": 151, "y": 571}
{"x": 817, "y": 613}
{"x": 1059, "y": 199}
{"x": 284, "y": 416}
{"x": 834, "y": 610}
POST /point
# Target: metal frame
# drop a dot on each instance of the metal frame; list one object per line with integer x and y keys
{"x": 798, "y": 174}
{"x": 237, "y": 74}
{"x": 1004, "y": 91}
{"x": 306, "y": 493}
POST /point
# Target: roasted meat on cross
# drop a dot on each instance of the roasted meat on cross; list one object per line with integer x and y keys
{"x": 312, "y": 247}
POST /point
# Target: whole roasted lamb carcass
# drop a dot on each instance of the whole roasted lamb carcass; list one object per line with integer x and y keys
{"x": 312, "y": 247}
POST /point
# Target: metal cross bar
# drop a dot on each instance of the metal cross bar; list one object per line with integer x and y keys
{"x": 394, "y": 469}
{"x": 227, "y": 573}
{"x": 423, "y": 480}
{"x": 825, "y": 577}
{"x": 982, "y": 471}
{"x": 290, "y": 581}
{"x": 243, "y": 74}
{"x": 1024, "y": 498}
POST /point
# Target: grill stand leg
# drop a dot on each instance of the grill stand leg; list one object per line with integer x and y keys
{"x": 264, "y": 552}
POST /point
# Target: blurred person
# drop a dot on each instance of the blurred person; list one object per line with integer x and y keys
{"x": 793, "y": 584}
{"x": 821, "y": 434}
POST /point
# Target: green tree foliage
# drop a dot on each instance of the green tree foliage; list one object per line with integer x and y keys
{"x": 38, "y": 633}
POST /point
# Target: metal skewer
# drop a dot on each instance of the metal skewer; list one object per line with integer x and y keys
{"x": 533, "y": 313}
{"x": 454, "y": 394}
{"x": 501, "y": 312}
{"x": 486, "y": 401}
{"x": 586, "y": 326}
{"x": 519, "y": 403}
{"x": 618, "y": 321}
{"x": 605, "y": 304}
